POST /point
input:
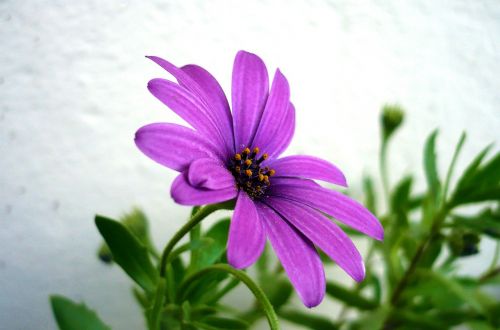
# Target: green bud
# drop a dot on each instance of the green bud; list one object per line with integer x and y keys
{"x": 392, "y": 117}
{"x": 464, "y": 243}
{"x": 137, "y": 223}
{"x": 105, "y": 254}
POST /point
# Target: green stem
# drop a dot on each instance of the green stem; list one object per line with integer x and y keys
{"x": 267, "y": 308}
{"x": 194, "y": 235}
{"x": 436, "y": 227}
{"x": 154, "y": 318}
{"x": 195, "y": 219}
{"x": 383, "y": 170}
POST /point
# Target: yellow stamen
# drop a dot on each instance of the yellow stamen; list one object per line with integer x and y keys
{"x": 237, "y": 157}
{"x": 246, "y": 151}
{"x": 261, "y": 177}
{"x": 264, "y": 156}
{"x": 248, "y": 172}
{"x": 266, "y": 178}
{"x": 248, "y": 162}
{"x": 256, "y": 150}
{"x": 238, "y": 169}
{"x": 272, "y": 172}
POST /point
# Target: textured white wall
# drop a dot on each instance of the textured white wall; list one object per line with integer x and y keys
{"x": 73, "y": 92}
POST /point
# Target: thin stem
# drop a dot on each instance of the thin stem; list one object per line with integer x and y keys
{"x": 194, "y": 235}
{"x": 383, "y": 170}
{"x": 452, "y": 165}
{"x": 437, "y": 223}
{"x": 195, "y": 219}
{"x": 266, "y": 305}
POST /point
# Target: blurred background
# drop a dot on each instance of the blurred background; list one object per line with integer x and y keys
{"x": 73, "y": 92}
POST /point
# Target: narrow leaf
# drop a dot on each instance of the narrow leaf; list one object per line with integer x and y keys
{"x": 212, "y": 252}
{"x": 154, "y": 312}
{"x": 72, "y": 316}
{"x": 349, "y": 297}
{"x": 308, "y": 320}
{"x": 224, "y": 322}
{"x": 430, "y": 166}
{"x": 128, "y": 252}
{"x": 370, "y": 200}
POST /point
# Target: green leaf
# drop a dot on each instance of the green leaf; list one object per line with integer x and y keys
{"x": 308, "y": 320}
{"x": 72, "y": 316}
{"x": 228, "y": 287}
{"x": 213, "y": 252}
{"x": 372, "y": 320}
{"x": 479, "y": 325}
{"x": 480, "y": 182}
{"x": 154, "y": 312}
{"x": 198, "y": 244}
{"x": 433, "y": 250}
{"x": 405, "y": 319}
{"x": 137, "y": 223}
{"x": 203, "y": 288}
{"x": 280, "y": 293}
{"x": 430, "y": 166}
{"x": 377, "y": 287}
{"x": 216, "y": 322}
{"x": 370, "y": 199}
{"x": 175, "y": 274}
{"x": 400, "y": 201}
{"x": 349, "y": 297}
{"x": 486, "y": 222}
{"x": 458, "y": 148}
{"x": 140, "y": 297}
{"x": 262, "y": 264}
{"x": 494, "y": 315}
{"x": 450, "y": 286}
{"x": 128, "y": 252}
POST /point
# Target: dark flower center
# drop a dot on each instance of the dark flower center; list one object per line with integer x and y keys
{"x": 248, "y": 173}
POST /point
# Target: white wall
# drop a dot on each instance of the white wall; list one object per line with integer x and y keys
{"x": 73, "y": 91}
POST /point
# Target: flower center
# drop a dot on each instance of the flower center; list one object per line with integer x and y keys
{"x": 249, "y": 175}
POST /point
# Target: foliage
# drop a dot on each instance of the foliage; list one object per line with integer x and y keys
{"x": 427, "y": 234}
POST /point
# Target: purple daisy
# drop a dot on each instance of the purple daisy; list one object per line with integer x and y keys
{"x": 235, "y": 155}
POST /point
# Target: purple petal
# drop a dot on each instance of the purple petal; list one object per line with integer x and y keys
{"x": 308, "y": 167}
{"x": 274, "y": 112}
{"x": 249, "y": 93}
{"x": 185, "y": 194}
{"x": 216, "y": 100}
{"x": 339, "y": 206}
{"x": 205, "y": 88}
{"x": 247, "y": 238}
{"x": 284, "y": 135}
{"x": 172, "y": 145}
{"x": 298, "y": 256}
{"x": 182, "y": 77}
{"x": 187, "y": 105}
{"x": 210, "y": 174}
{"x": 324, "y": 233}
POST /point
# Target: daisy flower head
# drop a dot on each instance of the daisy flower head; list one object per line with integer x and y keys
{"x": 232, "y": 152}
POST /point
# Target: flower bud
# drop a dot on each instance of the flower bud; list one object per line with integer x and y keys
{"x": 464, "y": 243}
{"x": 392, "y": 117}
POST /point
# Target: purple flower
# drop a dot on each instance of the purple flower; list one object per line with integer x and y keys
{"x": 235, "y": 155}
